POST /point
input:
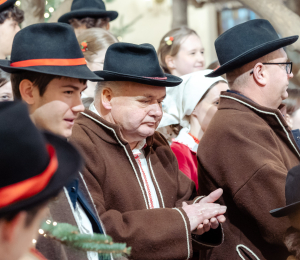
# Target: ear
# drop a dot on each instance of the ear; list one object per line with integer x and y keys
{"x": 260, "y": 74}
{"x": 27, "y": 91}
{"x": 106, "y": 97}
{"x": 107, "y": 26}
{"x": 12, "y": 229}
{"x": 170, "y": 62}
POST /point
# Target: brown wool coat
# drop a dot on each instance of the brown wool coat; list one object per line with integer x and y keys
{"x": 60, "y": 211}
{"x": 247, "y": 150}
{"x": 116, "y": 185}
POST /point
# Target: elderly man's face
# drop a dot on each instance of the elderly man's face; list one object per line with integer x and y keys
{"x": 137, "y": 109}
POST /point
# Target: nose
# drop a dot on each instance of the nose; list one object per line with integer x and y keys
{"x": 78, "y": 106}
{"x": 200, "y": 58}
{"x": 156, "y": 110}
{"x": 291, "y": 75}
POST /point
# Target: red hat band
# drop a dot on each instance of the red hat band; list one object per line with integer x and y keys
{"x": 29, "y": 187}
{"x": 49, "y": 62}
{"x": 2, "y": 1}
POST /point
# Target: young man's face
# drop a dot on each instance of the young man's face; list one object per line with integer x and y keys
{"x": 8, "y": 30}
{"x": 57, "y": 109}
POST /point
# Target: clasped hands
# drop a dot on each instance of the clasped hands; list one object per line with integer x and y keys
{"x": 205, "y": 214}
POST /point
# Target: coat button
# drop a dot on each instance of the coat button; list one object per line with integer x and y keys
{"x": 73, "y": 189}
{"x": 298, "y": 137}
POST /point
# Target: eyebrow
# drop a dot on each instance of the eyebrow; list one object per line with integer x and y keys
{"x": 73, "y": 87}
{"x": 151, "y": 96}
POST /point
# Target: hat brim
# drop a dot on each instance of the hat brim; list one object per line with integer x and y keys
{"x": 284, "y": 211}
{"x": 92, "y": 13}
{"x": 170, "y": 81}
{"x": 77, "y": 72}
{"x": 69, "y": 165}
{"x": 253, "y": 54}
{"x": 7, "y": 4}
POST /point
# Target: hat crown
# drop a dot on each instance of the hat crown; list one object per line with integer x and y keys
{"x": 131, "y": 59}
{"x": 45, "y": 41}
{"x": 243, "y": 38}
{"x": 88, "y": 4}
{"x": 18, "y": 136}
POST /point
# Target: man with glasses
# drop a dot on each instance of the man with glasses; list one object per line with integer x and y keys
{"x": 248, "y": 147}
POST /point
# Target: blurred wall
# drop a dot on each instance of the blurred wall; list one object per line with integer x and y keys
{"x": 156, "y": 21}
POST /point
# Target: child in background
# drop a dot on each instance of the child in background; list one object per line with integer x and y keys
{"x": 5, "y": 87}
{"x": 190, "y": 107}
{"x": 94, "y": 43}
{"x": 10, "y": 18}
{"x": 181, "y": 52}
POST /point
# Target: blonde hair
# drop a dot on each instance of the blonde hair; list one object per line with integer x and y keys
{"x": 164, "y": 49}
{"x": 97, "y": 40}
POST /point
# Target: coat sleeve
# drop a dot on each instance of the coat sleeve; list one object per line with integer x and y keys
{"x": 245, "y": 160}
{"x": 152, "y": 233}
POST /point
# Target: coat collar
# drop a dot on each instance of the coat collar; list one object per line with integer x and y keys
{"x": 273, "y": 117}
{"x": 109, "y": 132}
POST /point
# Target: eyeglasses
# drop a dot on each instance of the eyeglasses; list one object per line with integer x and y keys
{"x": 288, "y": 66}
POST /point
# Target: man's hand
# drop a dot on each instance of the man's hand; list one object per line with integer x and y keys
{"x": 206, "y": 214}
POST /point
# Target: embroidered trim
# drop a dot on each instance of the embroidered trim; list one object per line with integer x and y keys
{"x": 238, "y": 247}
{"x": 153, "y": 175}
{"x": 137, "y": 158}
{"x": 268, "y": 113}
{"x": 197, "y": 141}
{"x": 199, "y": 198}
{"x": 187, "y": 232}
{"x": 156, "y": 78}
{"x": 125, "y": 152}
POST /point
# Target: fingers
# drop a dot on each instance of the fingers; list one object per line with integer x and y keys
{"x": 212, "y": 197}
{"x": 221, "y": 219}
{"x": 214, "y": 223}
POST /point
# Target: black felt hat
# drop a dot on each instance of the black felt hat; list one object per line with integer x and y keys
{"x": 34, "y": 165}
{"x": 247, "y": 42}
{"x": 292, "y": 194}
{"x": 88, "y": 8}
{"x": 136, "y": 63}
{"x": 49, "y": 48}
{"x": 4, "y": 4}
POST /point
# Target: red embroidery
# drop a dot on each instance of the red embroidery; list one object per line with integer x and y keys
{"x": 157, "y": 78}
{"x": 146, "y": 181}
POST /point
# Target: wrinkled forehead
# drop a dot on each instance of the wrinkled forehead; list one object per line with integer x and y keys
{"x": 133, "y": 89}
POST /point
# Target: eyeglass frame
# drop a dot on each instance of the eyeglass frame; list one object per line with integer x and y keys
{"x": 280, "y": 63}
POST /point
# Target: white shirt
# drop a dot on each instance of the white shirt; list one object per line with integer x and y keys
{"x": 85, "y": 227}
{"x": 141, "y": 160}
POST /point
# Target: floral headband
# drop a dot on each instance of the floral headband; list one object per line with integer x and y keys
{"x": 83, "y": 46}
{"x": 169, "y": 40}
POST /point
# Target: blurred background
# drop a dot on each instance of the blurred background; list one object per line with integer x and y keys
{"x": 146, "y": 21}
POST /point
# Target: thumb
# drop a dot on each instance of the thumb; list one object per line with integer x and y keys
{"x": 212, "y": 197}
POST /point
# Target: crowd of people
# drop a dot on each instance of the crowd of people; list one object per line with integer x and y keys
{"x": 177, "y": 159}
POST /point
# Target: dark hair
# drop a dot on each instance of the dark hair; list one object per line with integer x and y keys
{"x": 164, "y": 49}
{"x": 89, "y": 22}
{"x": 12, "y": 12}
{"x": 4, "y": 78}
{"x": 31, "y": 213}
{"x": 293, "y": 101}
{"x": 40, "y": 80}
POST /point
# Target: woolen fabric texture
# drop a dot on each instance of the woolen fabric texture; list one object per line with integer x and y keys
{"x": 115, "y": 182}
{"x": 135, "y": 63}
{"x": 23, "y": 155}
{"x": 292, "y": 194}
{"x": 7, "y": 4}
{"x": 60, "y": 211}
{"x": 88, "y": 8}
{"x": 247, "y": 42}
{"x": 48, "y": 41}
{"x": 247, "y": 150}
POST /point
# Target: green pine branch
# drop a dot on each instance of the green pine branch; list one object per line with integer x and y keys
{"x": 70, "y": 236}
